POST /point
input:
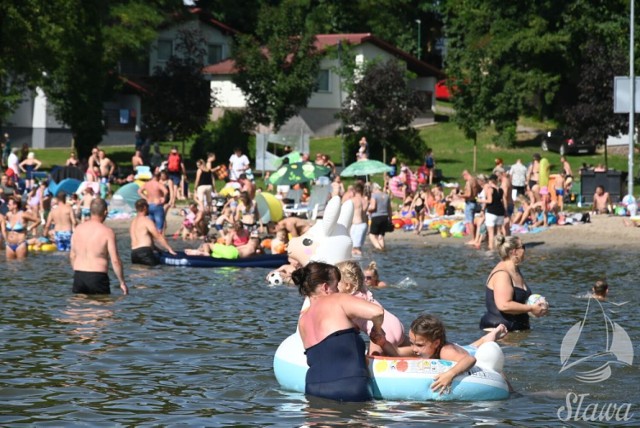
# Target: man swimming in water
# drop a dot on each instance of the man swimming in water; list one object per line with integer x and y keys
{"x": 92, "y": 245}
{"x": 143, "y": 235}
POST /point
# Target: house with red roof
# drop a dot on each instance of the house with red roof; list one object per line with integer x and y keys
{"x": 34, "y": 121}
{"x": 318, "y": 117}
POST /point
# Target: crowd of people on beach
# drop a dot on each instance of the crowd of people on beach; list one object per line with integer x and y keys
{"x": 339, "y": 302}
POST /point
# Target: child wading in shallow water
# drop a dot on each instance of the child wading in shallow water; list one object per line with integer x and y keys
{"x": 429, "y": 340}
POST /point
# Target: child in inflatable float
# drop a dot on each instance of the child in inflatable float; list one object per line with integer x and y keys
{"x": 428, "y": 339}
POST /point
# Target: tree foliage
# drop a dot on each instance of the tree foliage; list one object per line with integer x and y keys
{"x": 529, "y": 58}
{"x": 222, "y": 137}
{"x": 22, "y": 42}
{"x": 71, "y": 49}
{"x": 509, "y": 54}
{"x": 382, "y": 104}
{"x": 592, "y": 117}
{"x": 278, "y": 67}
{"x": 180, "y": 99}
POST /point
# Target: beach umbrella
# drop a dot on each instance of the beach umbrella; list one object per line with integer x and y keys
{"x": 365, "y": 167}
{"x": 298, "y": 172}
{"x": 269, "y": 208}
{"x": 293, "y": 158}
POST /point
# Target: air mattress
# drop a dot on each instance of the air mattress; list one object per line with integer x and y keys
{"x": 262, "y": 261}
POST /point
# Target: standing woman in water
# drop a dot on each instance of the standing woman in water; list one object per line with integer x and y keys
{"x": 335, "y": 351}
{"x": 15, "y": 226}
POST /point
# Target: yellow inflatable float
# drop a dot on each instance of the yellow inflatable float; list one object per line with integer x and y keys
{"x": 43, "y": 247}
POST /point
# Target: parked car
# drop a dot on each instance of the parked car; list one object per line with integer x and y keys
{"x": 559, "y": 141}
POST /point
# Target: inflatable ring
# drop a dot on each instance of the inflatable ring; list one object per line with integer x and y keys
{"x": 43, "y": 248}
{"x": 395, "y": 378}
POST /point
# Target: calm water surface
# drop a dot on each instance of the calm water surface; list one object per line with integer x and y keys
{"x": 195, "y": 346}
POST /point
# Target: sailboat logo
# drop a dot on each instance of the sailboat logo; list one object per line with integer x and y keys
{"x": 617, "y": 349}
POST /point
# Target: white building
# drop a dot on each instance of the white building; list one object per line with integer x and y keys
{"x": 318, "y": 118}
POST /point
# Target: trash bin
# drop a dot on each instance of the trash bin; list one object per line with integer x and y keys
{"x": 611, "y": 180}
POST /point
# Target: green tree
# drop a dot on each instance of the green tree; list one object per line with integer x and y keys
{"x": 71, "y": 49}
{"x": 21, "y": 50}
{"x": 383, "y": 105}
{"x": 592, "y": 116}
{"x": 180, "y": 98}
{"x": 278, "y": 68}
{"x": 510, "y": 52}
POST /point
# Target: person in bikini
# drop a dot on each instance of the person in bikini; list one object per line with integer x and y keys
{"x": 143, "y": 236}
{"x": 15, "y": 226}
{"x": 419, "y": 206}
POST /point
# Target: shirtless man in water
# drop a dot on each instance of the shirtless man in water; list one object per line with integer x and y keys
{"x": 64, "y": 221}
{"x": 154, "y": 193}
{"x": 92, "y": 245}
{"x": 143, "y": 235}
{"x": 295, "y": 226}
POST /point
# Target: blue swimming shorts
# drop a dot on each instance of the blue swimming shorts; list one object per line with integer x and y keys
{"x": 63, "y": 240}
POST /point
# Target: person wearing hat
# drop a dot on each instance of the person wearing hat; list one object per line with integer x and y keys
{"x": 380, "y": 213}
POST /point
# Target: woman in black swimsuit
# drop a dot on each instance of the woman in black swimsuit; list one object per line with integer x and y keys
{"x": 420, "y": 207}
{"x": 334, "y": 348}
{"x": 506, "y": 292}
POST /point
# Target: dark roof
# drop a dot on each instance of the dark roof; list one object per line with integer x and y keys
{"x": 324, "y": 41}
{"x": 203, "y": 16}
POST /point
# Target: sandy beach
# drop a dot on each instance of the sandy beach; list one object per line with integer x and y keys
{"x": 603, "y": 232}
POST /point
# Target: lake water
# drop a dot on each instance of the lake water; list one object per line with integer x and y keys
{"x": 195, "y": 346}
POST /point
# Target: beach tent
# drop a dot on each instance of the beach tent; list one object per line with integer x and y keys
{"x": 93, "y": 184}
{"x": 59, "y": 173}
{"x": 68, "y": 185}
{"x": 124, "y": 200}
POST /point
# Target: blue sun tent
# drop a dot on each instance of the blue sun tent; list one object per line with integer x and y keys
{"x": 68, "y": 185}
{"x": 124, "y": 200}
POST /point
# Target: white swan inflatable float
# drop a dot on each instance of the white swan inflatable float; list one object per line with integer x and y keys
{"x": 406, "y": 378}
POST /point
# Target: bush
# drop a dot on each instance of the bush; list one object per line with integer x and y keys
{"x": 222, "y": 137}
{"x": 506, "y": 137}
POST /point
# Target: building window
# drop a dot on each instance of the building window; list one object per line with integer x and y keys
{"x": 322, "y": 83}
{"x": 165, "y": 50}
{"x": 214, "y": 54}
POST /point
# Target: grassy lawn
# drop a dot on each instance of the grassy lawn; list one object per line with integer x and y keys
{"x": 453, "y": 153}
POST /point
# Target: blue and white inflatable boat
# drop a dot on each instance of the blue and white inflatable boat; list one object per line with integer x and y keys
{"x": 406, "y": 378}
